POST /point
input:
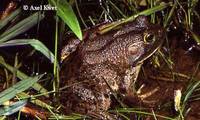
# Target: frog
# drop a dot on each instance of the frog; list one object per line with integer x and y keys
{"x": 105, "y": 65}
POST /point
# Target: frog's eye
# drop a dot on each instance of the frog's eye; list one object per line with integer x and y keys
{"x": 149, "y": 38}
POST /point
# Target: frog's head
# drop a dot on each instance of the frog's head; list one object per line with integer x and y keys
{"x": 147, "y": 39}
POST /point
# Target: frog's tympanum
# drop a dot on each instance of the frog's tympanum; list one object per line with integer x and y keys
{"x": 102, "y": 65}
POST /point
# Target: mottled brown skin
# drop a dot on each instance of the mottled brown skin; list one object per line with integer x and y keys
{"x": 103, "y": 64}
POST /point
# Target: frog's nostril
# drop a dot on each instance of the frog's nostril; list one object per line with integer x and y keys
{"x": 161, "y": 32}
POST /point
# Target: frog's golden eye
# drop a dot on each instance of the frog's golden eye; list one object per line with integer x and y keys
{"x": 149, "y": 38}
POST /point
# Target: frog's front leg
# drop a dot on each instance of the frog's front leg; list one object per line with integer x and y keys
{"x": 127, "y": 85}
{"x": 135, "y": 96}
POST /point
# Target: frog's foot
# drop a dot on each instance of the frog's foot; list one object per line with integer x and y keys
{"x": 144, "y": 96}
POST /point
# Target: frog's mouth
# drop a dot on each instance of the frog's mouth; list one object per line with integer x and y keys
{"x": 151, "y": 49}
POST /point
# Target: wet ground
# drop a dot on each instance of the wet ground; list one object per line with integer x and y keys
{"x": 162, "y": 84}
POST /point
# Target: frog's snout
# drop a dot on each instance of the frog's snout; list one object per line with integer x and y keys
{"x": 159, "y": 31}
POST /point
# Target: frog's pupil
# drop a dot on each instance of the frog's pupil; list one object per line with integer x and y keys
{"x": 149, "y": 38}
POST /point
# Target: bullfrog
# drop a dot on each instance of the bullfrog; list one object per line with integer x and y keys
{"x": 105, "y": 64}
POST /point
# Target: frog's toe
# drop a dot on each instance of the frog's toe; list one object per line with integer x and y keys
{"x": 148, "y": 94}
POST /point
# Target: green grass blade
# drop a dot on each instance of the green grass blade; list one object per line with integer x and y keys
{"x": 21, "y": 27}
{"x": 147, "y": 12}
{"x": 170, "y": 14}
{"x": 196, "y": 37}
{"x": 17, "y": 88}
{"x": 5, "y": 21}
{"x": 35, "y": 101}
{"x": 39, "y": 46}
{"x": 132, "y": 110}
{"x": 66, "y": 13}
{"x": 65, "y": 117}
{"x": 9, "y": 110}
{"x": 187, "y": 94}
{"x": 22, "y": 76}
{"x": 189, "y": 91}
{"x": 155, "y": 9}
